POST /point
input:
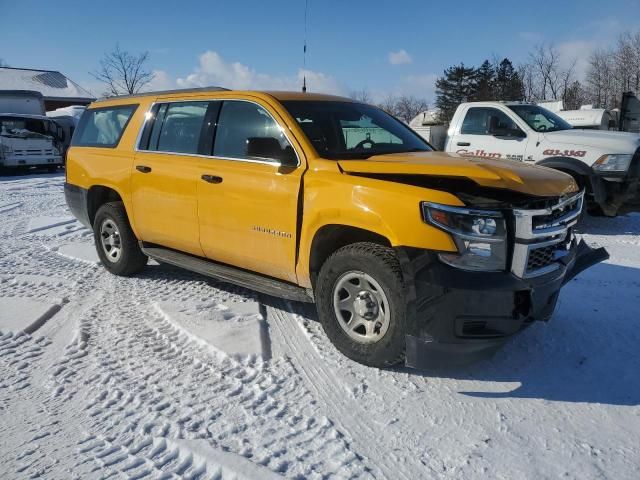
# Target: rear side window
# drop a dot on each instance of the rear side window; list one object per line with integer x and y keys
{"x": 177, "y": 127}
{"x": 103, "y": 127}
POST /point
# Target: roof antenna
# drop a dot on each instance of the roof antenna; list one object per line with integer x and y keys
{"x": 304, "y": 49}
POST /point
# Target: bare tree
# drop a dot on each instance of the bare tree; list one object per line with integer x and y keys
{"x": 600, "y": 79}
{"x": 361, "y": 96}
{"x": 528, "y": 81}
{"x": 614, "y": 71}
{"x": 122, "y": 72}
{"x": 403, "y": 107}
{"x": 409, "y": 106}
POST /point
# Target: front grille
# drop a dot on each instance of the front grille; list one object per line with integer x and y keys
{"x": 543, "y": 236}
{"x": 549, "y": 220}
{"x": 541, "y": 257}
{"x": 32, "y": 152}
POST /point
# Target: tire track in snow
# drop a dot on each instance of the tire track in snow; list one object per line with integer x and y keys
{"x": 368, "y": 437}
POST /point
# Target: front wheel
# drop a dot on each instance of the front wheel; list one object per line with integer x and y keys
{"x": 116, "y": 243}
{"x": 361, "y": 302}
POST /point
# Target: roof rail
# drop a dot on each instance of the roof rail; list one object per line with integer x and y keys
{"x": 165, "y": 92}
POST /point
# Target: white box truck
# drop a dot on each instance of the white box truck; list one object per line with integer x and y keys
{"x": 27, "y": 137}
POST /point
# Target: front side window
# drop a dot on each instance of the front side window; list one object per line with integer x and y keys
{"x": 102, "y": 127}
{"x": 247, "y": 131}
{"x": 540, "y": 119}
{"x": 486, "y": 121}
{"x": 350, "y": 130}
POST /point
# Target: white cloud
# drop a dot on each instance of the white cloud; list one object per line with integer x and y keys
{"x": 214, "y": 70}
{"x": 401, "y": 57}
{"x": 577, "y": 51}
{"x": 161, "y": 81}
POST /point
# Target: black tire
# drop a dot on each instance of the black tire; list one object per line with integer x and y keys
{"x": 381, "y": 264}
{"x": 52, "y": 168}
{"x": 130, "y": 258}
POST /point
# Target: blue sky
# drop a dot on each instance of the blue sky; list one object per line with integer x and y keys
{"x": 384, "y": 47}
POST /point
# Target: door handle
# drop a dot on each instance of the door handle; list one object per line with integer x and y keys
{"x": 143, "y": 168}
{"x": 211, "y": 178}
{"x": 463, "y": 144}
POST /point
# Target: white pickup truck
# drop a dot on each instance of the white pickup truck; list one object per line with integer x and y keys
{"x": 606, "y": 163}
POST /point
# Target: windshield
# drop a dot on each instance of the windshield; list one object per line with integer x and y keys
{"x": 23, "y": 127}
{"x": 540, "y": 119}
{"x": 349, "y": 130}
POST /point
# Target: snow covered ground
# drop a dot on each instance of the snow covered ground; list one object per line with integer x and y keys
{"x": 172, "y": 375}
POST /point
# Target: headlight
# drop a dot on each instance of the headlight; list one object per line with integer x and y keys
{"x": 613, "y": 163}
{"x": 480, "y": 236}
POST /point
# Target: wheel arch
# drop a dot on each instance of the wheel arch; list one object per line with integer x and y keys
{"x": 331, "y": 237}
{"x": 581, "y": 172}
{"x": 98, "y": 195}
{"x": 570, "y": 166}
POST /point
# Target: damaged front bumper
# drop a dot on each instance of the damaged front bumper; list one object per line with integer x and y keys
{"x": 458, "y": 316}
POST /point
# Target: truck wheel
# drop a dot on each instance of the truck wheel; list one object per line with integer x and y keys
{"x": 361, "y": 303}
{"x": 116, "y": 244}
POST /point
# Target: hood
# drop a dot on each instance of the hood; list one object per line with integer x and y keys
{"x": 608, "y": 141}
{"x": 504, "y": 174}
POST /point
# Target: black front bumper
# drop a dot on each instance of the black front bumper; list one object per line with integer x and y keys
{"x": 457, "y": 316}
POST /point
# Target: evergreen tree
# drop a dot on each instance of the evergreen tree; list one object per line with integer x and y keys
{"x": 508, "y": 85}
{"x": 485, "y": 83}
{"x": 458, "y": 85}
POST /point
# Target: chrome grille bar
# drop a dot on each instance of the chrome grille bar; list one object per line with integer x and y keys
{"x": 533, "y": 230}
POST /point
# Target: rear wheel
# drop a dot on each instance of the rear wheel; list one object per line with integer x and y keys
{"x": 362, "y": 303}
{"x": 116, "y": 244}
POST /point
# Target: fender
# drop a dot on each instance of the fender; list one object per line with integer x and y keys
{"x": 567, "y": 163}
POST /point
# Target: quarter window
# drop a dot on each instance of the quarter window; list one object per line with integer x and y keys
{"x": 479, "y": 120}
{"x": 246, "y": 131}
{"x": 103, "y": 127}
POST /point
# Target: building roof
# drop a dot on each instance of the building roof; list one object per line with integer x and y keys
{"x": 51, "y": 84}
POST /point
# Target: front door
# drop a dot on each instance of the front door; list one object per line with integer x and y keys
{"x": 247, "y": 203}
{"x": 165, "y": 177}
{"x": 490, "y": 133}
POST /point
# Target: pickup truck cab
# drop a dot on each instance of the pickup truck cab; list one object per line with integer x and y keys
{"x": 407, "y": 253}
{"x": 605, "y": 163}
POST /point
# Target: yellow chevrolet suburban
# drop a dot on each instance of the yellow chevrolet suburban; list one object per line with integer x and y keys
{"x": 408, "y": 253}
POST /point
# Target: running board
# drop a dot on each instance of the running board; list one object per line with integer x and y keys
{"x": 227, "y": 273}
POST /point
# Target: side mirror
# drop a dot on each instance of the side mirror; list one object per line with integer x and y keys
{"x": 269, "y": 148}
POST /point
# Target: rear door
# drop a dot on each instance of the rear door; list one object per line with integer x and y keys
{"x": 474, "y": 137}
{"x": 248, "y": 205}
{"x": 166, "y": 172}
